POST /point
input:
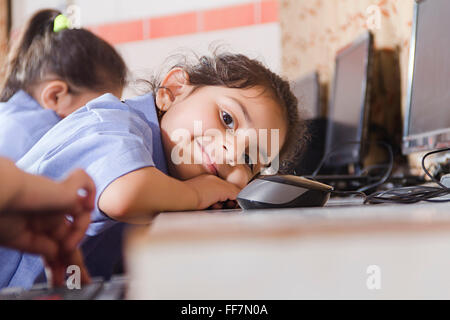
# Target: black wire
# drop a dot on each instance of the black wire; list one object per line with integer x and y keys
{"x": 383, "y": 179}
{"x": 387, "y": 173}
{"x": 427, "y": 172}
{"x": 329, "y": 154}
{"x": 413, "y": 194}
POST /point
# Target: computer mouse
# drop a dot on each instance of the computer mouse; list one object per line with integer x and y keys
{"x": 283, "y": 191}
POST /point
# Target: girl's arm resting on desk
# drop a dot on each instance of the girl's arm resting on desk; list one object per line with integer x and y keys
{"x": 138, "y": 196}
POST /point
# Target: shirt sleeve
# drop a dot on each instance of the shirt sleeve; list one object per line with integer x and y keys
{"x": 13, "y": 147}
{"x": 105, "y": 157}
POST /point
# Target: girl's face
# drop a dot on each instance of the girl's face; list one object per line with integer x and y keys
{"x": 196, "y": 131}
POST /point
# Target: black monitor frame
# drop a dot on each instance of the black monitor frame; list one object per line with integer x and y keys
{"x": 428, "y": 140}
{"x": 349, "y": 154}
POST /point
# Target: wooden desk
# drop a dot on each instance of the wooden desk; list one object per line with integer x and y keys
{"x": 308, "y": 253}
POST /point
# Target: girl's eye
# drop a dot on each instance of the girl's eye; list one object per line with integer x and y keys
{"x": 228, "y": 120}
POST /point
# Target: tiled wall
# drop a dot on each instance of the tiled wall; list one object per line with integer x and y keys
{"x": 189, "y": 22}
{"x": 111, "y": 11}
{"x": 146, "y": 32}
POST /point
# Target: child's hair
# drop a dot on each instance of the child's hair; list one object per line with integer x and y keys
{"x": 239, "y": 71}
{"x": 76, "y": 56}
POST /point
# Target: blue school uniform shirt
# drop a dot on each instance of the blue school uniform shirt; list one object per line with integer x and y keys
{"x": 22, "y": 123}
{"x": 107, "y": 138}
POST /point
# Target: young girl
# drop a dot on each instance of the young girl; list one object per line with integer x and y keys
{"x": 52, "y": 71}
{"x": 129, "y": 150}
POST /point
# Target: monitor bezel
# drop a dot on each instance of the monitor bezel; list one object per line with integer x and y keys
{"x": 362, "y": 134}
{"x": 426, "y": 141}
{"x": 313, "y": 77}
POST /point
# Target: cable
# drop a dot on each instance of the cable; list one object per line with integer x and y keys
{"x": 427, "y": 172}
{"x": 383, "y": 179}
{"x": 387, "y": 173}
{"x": 329, "y": 154}
{"x": 413, "y": 194}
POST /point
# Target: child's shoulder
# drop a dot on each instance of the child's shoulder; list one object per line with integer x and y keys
{"x": 110, "y": 102}
{"x": 142, "y": 102}
{"x": 105, "y": 115}
{"x": 20, "y": 102}
{"x": 109, "y": 108}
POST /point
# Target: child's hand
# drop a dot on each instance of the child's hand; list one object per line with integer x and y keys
{"x": 212, "y": 190}
{"x": 56, "y": 270}
{"x": 49, "y": 218}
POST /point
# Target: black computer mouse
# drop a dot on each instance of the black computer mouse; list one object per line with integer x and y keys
{"x": 283, "y": 191}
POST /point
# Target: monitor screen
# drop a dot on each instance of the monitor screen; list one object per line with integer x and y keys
{"x": 427, "y": 124}
{"x": 347, "y": 111}
{"x": 307, "y": 91}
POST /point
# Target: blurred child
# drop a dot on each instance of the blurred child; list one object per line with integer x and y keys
{"x": 129, "y": 147}
{"x": 33, "y": 213}
{"x": 52, "y": 71}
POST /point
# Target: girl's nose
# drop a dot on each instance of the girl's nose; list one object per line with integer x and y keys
{"x": 234, "y": 149}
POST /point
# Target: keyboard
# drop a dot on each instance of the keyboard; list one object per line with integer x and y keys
{"x": 99, "y": 289}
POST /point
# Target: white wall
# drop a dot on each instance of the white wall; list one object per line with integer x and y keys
{"x": 106, "y": 11}
{"x": 260, "y": 41}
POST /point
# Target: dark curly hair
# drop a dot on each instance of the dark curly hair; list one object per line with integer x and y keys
{"x": 239, "y": 71}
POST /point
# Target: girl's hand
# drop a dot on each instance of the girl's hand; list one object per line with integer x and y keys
{"x": 212, "y": 190}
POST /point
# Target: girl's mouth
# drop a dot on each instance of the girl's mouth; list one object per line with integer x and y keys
{"x": 207, "y": 163}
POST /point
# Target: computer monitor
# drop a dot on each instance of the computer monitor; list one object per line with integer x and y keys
{"x": 427, "y": 117}
{"x": 307, "y": 91}
{"x": 348, "y": 109}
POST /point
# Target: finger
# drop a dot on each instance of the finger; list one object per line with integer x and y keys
{"x": 77, "y": 259}
{"x": 37, "y": 244}
{"x": 231, "y": 204}
{"x": 59, "y": 227}
{"x": 79, "y": 179}
{"x": 55, "y": 273}
{"x": 77, "y": 231}
{"x": 216, "y": 206}
{"x": 233, "y": 191}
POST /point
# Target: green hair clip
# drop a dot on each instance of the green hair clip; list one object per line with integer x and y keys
{"x": 61, "y": 23}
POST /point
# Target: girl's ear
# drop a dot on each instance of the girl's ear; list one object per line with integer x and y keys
{"x": 53, "y": 94}
{"x": 174, "y": 87}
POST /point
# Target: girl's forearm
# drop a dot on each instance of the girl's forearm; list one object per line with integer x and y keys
{"x": 138, "y": 196}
